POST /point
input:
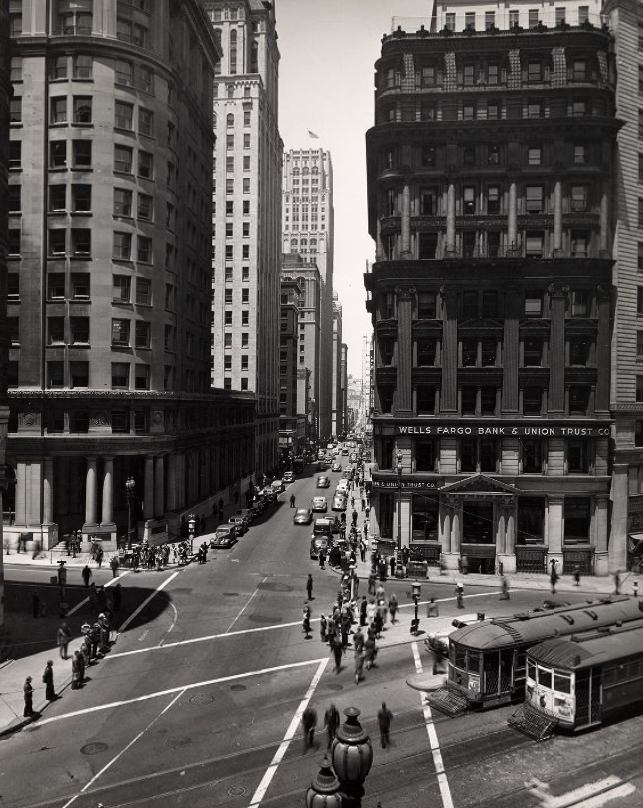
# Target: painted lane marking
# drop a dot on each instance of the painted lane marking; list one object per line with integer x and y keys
{"x": 265, "y": 781}
{"x": 122, "y": 752}
{"x": 193, "y": 686}
{"x": 590, "y": 795}
{"x": 443, "y": 783}
{"x": 248, "y": 602}
{"x": 239, "y": 632}
{"x": 600, "y": 799}
{"x": 86, "y": 600}
{"x": 140, "y": 608}
{"x": 172, "y": 624}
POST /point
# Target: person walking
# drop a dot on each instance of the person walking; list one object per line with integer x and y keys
{"x": 370, "y": 650}
{"x": 504, "y": 585}
{"x": 322, "y": 559}
{"x": 337, "y": 650}
{"x": 323, "y": 629}
{"x": 459, "y": 595}
{"x": 359, "y": 667}
{"x": 617, "y": 582}
{"x": 363, "y": 607}
{"x": 309, "y": 586}
{"x": 392, "y": 565}
{"x": 292, "y": 500}
{"x": 577, "y": 575}
{"x": 114, "y": 565}
{"x": 362, "y": 549}
{"x": 371, "y": 583}
{"x": 306, "y": 621}
{"x": 76, "y": 676}
{"x": 358, "y": 641}
{"x": 354, "y": 517}
{"x": 393, "y": 607}
{"x": 99, "y": 556}
{"x": 553, "y": 577}
{"x": 309, "y": 722}
{"x": 384, "y": 718}
{"x": 432, "y": 608}
{"x": 331, "y": 722}
{"x": 27, "y": 691}
{"x": 86, "y": 575}
{"x": 63, "y": 636}
{"x": 48, "y": 680}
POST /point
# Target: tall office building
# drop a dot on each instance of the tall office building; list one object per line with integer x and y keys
{"x": 292, "y": 422}
{"x": 247, "y": 215}
{"x": 5, "y": 94}
{"x": 490, "y": 195}
{"x": 308, "y": 229}
{"x": 110, "y": 272}
{"x": 306, "y": 276}
{"x": 343, "y": 389}
{"x": 336, "y": 411}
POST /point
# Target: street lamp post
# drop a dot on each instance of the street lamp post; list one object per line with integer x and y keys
{"x": 130, "y": 485}
{"x": 352, "y": 755}
{"x": 415, "y": 623}
{"x": 191, "y": 529}
{"x": 324, "y": 789}
{"x": 399, "y": 501}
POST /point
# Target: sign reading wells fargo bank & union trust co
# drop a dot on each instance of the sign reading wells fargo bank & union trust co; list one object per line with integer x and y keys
{"x": 472, "y": 429}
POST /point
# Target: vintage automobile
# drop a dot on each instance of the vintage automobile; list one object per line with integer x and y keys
{"x": 319, "y": 542}
{"x": 320, "y": 504}
{"x": 224, "y": 536}
{"x": 289, "y": 477}
{"x": 339, "y": 501}
{"x": 303, "y": 516}
{"x": 323, "y": 482}
{"x": 337, "y": 466}
{"x": 240, "y": 523}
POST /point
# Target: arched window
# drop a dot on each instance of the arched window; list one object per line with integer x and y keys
{"x": 304, "y": 242}
{"x": 230, "y": 120}
{"x": 254, "y": 57}
{"x": 233, "y": 51}
{"x": 313, "y": 242}
{"x": 293, "y": 243}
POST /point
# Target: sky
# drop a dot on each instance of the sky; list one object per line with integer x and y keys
{"x": 326, "y": 79}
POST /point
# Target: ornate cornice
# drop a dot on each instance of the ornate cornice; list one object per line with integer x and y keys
{"x": 216, "y": 396}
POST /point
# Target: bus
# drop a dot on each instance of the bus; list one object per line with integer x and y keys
{"x": 487, "y": 660}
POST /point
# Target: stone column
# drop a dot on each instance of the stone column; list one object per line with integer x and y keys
{"x": 617, "y": 547}
{"x": 456, "y": 525}
{"x": 555, "y": 531}
{"x": 90, "y": 492}
{"x": 406, "y": 221}
{"x": 500, "y": 529}
{"x": 107, "y": 517}
{"x": 510, "y": 530}
{"x": 450, "y": 245}
{"x": 379, "y": 249}
{"x": 445, "y": 525}
{"x": 512, "y": 218}
{"x": 558, "y": 218}
{"x": 602, "y": 397}
{"x": 449, "y": 393}
{"x": 148, "y": 488}
{"x": 48, "y": 491}
{"x": 404, "y": 398}
{"x": 21, "y": 493}
{"x": 171, "y": 482}
{"x": 159, "y": 487}
{"x": 600, "y": 533}
{"x": 558, "y": 296}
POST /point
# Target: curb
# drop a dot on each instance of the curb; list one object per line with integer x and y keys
{"x": 19, "y": 724}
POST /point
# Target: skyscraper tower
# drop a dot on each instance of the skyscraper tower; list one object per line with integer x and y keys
{"x": 247, "y": 218}
{"x": 308, "y": 229}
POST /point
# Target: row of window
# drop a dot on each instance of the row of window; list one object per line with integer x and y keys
{"x": 485, "y": 455}
{"x": 487, "y": 352}
{"x": 247, "y": 119}
{"x": 487, "y": 303}
{"x": 486, "y": 400}
{"x": 243, "y": 383}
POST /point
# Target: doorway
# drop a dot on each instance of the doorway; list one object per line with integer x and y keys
{"x": 477, "y": 523}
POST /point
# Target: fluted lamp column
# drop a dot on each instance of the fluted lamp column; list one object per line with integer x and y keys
{"x": 324, "y": 789}
{"x": 352, "y": 756}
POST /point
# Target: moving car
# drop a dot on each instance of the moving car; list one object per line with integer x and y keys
{"x": 323, "y": 482}
{"x": 336, "y": 466}
{"x": 438, "y": 641}
{"x": 240, "y": 523}
{"x": 303, "y": 516}
{"x": 224, "y": 536}
{"x": 339, "y": 501}
{"x": 289, "y": 477}
{"x": 319, "y": 504}
{"x": 316, "y": 544}
{"x": 345, "y": 451}
{"x": 342, "y": 486}
{"x": 325, "y": 526}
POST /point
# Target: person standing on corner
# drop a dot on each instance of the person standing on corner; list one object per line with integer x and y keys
{"x": 48, "y": 680}
{"x": 309, "y": 586}
{"x": 27, "y": 691}
{"x": 63, "y": 636}
{"x": 384, "y": 718}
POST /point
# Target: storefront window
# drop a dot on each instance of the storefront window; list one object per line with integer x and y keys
{"x": 531, "y": 520}
{"x": 384, "y": 456}
{"x": 577, "y": 520}
{"x": 386, "y": 515}
{"x": 424, "y": 520}
{"x": 532, "y": 456}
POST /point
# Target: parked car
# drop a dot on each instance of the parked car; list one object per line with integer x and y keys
{"x": 339, "y": 501}
{"x": 289, "y": 477}
{"x": 277, "y": 486}
{"x": 326, "y": 526}
{"x": 323, "y": 482}
{"x": 336, "y": 466}
{"x": 269, "y": 495}
{"x": 248, "y": 513}
{"x": 240, "y": 523}
{"x": 303, "y": 516}
{"x": 345, "y": 451}
{"x": 224, "y": 536}
{"x": 438, "y": 641}
{"x": 320, "y": 504}
{"x": 316, "y": 544}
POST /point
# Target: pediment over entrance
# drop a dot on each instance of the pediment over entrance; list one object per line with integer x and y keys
{"x": 479, "y": 484}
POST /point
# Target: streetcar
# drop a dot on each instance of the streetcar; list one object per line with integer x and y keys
{"x": 581, "y": 681}
{"x": 487, "y": 661}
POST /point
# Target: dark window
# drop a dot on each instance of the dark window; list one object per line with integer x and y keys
{"x": 488, "y": 454}
{"x": 488, "y": 399}
{"x": 578, "y": 399}
{"x": 532, "y": 456}
{"x": 468, "y": 200}
{"x": 428, "y": 202}
{"x": 80, "y": 286}
{"x": 55, "y": 374}
{"x": 493, "y": 199}
{"x": 468, "y": 244}
{"x": 426, "y": 352}
{"x": 579, "y": 348}
{"x": 581, "y": 302}
{"x": 386, "y": 398}
{"x": 427, "y": 246}
{"x": 469, "y": 352}
{"x": 577, "y": 519}
{"x": 13, "y": 241}
{"x": 469, "y": 305}
{"x": 490, "y": 304}
{"x": 578, "y": 456}
{"x": 532, "y": 400}
{"x": 427, "y": 305}
{"x": 489, "y": 350}
{"x": 469, "y": 396}
{"x": 425, "y": 455}
{"x": 533, "y": 304}
{"x": 493, "y": 244}
{"x": 428, "y": 156}
{"x": 468, "y": 454}
{"x": 82, "y": 153}
{"x": 120, "y": 421}
{"x": 386, "y": 347}
{"x": 531, "y": 520}
{"x": 469, "y": 155}
{"x": 533, "y": 351}
{"x": 79, "y": 327}
{"x": 79, "y": 377}
{"x": 425, "y": 400}
{"x": 58, "y": 154}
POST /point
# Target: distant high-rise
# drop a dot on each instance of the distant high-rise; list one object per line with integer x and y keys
{"x": 336, "y": 412}
{"x": 308, "y": 229}
{"x": 247, "y": 217}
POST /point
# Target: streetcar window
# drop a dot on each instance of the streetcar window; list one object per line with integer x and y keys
{"x": 451, "y": 653}
{"x": 460, "y": 656}
{"x": 473, "y": 661}
{"x": 544, "y": 677}
{"x": 562, "y": 682}
{"x": 521, "y": 657}
{"x": 531, "y": 670}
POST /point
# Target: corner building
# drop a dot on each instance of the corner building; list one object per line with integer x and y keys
{"x": 109, "y": 273}
{"x": 489, "y": 197}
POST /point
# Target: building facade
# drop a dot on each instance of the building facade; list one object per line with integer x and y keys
{"x": 308, "y": 230}
{"x": 247, "y": 214}
{"x": 626, "y": 544}
{"x": 343, "y": 388}
{"x": 337, "y": 419}
{"x": 491, "y": 203}
{"x": 307, "y": 277}
{"x": 109, "y": 371}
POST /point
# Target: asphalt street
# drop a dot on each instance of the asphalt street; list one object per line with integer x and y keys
{"x": 198, "y": 703}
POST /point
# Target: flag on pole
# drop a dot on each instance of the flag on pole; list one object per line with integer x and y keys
{"x": 313, "y": 135}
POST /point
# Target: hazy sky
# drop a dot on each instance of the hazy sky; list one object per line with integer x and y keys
{"x": 328, "y": 50}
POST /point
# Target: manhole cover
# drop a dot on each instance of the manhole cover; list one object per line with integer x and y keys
{"x": 238, "y": 687}
{"x": 230, "y": 594}
{"x": 237, "y": 791}
{"x": 93, "y": 748}
{"x": 201, "y": 698}
{"x": 335, "y": 686}
{"x": 264, "y": 618}
{"x": 275, "y": 586}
